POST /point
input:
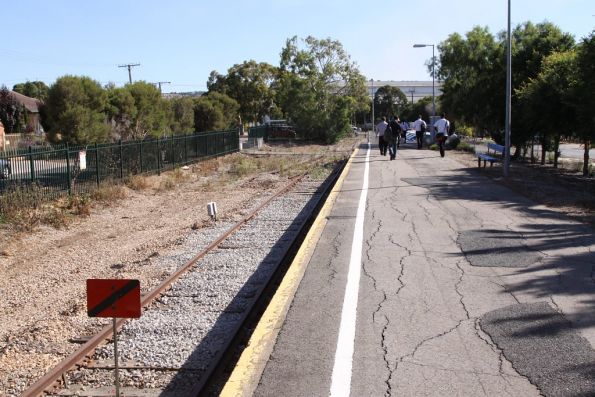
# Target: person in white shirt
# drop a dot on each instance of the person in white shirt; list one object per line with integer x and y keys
{"x": 380, "y": 128}
{"x": 420, "y": 127}
{"x": 441, "y": 127}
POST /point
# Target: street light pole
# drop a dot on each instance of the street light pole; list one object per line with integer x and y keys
{"x": 433, "y": 81}
{"x": 508, "y": 98}
{"x": 373, "y": 120}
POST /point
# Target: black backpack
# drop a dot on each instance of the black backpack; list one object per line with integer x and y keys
{"x": 423, "y": 126}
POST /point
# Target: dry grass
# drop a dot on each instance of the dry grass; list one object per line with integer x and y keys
{"x": 138, "y": 182}
{"x": 24, "y": 209}
{"x": 107, "y": 193}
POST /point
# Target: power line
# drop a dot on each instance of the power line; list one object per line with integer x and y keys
{"x": 129, "y": 66}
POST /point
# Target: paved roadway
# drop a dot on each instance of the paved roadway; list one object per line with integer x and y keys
{"x": 465, "y": 288}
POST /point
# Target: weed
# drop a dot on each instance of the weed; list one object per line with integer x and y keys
{"x": 167, "y": 184}
{"x": 107, "y": 193}
{"x": 466, "y": 147}
{"x": 79, "y": 205}
{"x": 137, "y": 182}
{"x": 53, "y": 216}
{"x": 433, "y": 146}
{"x": 178, "y": 175}
{"x": 243, "y": 166}
{"x": 318, "y": 173}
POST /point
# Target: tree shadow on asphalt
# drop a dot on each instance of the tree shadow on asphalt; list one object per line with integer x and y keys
{"x": 561, "y": 274}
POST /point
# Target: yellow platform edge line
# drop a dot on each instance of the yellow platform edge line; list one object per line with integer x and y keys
{"x": 249, "y": 368}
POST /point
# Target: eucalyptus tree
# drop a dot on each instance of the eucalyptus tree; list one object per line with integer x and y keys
{"x": 319, "y": 87}
{"x": 215, "y": 111}
{"x": 389, "y": 100}
{"x": 75, "y": 111}
{"x": 250, "y": 85}
{"x": 473, "y": 70}
{"x": 584, "y": 99}
{"x": 550, "y": 96}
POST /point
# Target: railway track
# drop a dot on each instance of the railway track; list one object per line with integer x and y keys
{"x": 190, "y": 321}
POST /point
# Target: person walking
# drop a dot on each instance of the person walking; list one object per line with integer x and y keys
{"x": 391, "y": 136}
{"x": 380, "y": 129}
{"x": 442, "y": 125}
{"x": 420, "y": 127}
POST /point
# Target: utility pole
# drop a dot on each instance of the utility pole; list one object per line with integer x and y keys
{"x": 129, "y": 66}
{"x": 411, "y": 91}
{"x": 162, "y": 82}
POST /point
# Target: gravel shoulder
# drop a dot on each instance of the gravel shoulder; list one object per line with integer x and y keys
{"x": 42, "y": 291}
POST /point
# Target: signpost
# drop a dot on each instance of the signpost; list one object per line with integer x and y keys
{"x": 115, "y": 298}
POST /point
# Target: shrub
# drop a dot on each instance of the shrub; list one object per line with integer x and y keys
{"x": 137, "y": 182}
{"x": 466, "y": 147}
{"x": 107, "y": 193}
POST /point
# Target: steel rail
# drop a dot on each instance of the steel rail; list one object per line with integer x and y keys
{"x": 205, "y": 379}
{"x": 56, "y": 373}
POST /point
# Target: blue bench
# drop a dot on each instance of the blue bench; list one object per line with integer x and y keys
{"x": 497, "y": 150}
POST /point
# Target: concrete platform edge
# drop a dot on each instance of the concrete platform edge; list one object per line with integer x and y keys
{"x": 246, "y": 375}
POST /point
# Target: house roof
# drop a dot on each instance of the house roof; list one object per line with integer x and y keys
{"x": 31, "y": 104}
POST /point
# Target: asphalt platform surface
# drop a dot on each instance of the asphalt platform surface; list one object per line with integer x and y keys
{"x": 466, "y": 289}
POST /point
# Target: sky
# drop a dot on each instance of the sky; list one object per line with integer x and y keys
{"x": 182, "y": 41}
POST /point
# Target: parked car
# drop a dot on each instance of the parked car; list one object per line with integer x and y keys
{"x": 5, "y": 168}
{"x": 280, "y": 129}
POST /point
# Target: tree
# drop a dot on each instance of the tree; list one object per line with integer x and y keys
{"x": 422, "y": 107}
{"x": 389, "y": 100}
{"x": 250, "y": 85}
{"x": 550, "y": 97}
{"x": 181, "y": 115}
{"x": 214, "y": 111}
{"x": 75, "y": 111}
{"x": 472, "y": 71}
{"x": 584, "y": 99}
{"x": 121, "y": 111}
{"x": 150, "y": 118}
{"x": 319, "y": 87}
{"x": 33, "y": 89}
{"x": 12, "y": 115}
{"x": 531, "y": 45}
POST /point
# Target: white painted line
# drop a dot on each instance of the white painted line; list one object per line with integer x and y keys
{"x": 341, "y": 379}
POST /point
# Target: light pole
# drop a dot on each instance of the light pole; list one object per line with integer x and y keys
{"x": 373, "y": 120}
{"x": 508, "y": 97}
{"x": 433, "y": 74}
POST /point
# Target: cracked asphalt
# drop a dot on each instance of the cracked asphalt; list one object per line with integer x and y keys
{"x": 457, "y": 276}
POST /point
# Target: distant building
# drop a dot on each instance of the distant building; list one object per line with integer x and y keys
{"x": 192, "y": 94}
{"x": 2, "y": 137}
{"x": 414, "y": 90}
{"x": 32, "y": 106}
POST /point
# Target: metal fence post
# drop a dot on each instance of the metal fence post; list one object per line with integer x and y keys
{"x": 185, "y": 148}
{"x": 173, "y": 152}
{"x": 121, "y": 161}
{"x": 158, "y": 156}
{"x": 140, "y": 155}
{"x": 68, "y": 175}
{"x": 207, "y": 145}
{"x": 32, "y": 164}
{"x": 97, "y": 163}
